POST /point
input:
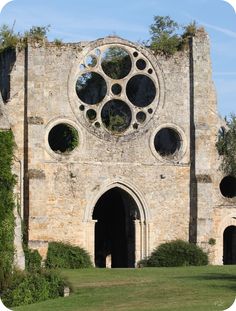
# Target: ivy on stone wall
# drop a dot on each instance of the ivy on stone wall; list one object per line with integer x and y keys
{"x": 7, "y": 222}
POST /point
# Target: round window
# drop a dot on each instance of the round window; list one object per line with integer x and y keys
{"x": 116, "y": 116}
{"x": 116, "y": 63}
{"x": 63, "y": 138}
{"x": 141, "y": 90}
{"x": 228, "y": 187}
{"x": 115, "y": 88}
{"x": 91, "y": 88}
{"x": 167, "y": 142}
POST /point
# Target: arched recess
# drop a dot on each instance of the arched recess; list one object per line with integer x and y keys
{"x": 117, "y": 214}
{"x": 226, "y": 222}
{"x": 229, "y": 246}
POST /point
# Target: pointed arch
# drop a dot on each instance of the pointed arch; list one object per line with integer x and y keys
{"x": 139, "y": 226}
{"x": 126, "y": 186}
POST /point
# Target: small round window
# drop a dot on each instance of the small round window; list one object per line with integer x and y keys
{"x": 63, "y": 138}
{"x": 167, "y": 142}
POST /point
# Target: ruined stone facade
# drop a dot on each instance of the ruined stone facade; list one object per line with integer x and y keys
{"x": 145, "y": 170}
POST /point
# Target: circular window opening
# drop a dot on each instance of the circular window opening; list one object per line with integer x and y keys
{"x": 141, "y": 64}
{"x": 91, "y": 114}
{"x": 116, "y": 89}
{"x": 228, "y": 187}
{"x": 167, "y": 142}
{"x": 91, "y": 88}
{"x": 63, "y": 138}
{"x": 116, "y": 63}
{"x": 116, "y": 116}
{"x": 82, "y": 67}
{"x": 141, "y": 90}
{"x": 91, "y": 61}
{"x": 141, "y": 117}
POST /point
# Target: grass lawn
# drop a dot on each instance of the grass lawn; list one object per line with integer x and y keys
{"x": 210, "y": 288}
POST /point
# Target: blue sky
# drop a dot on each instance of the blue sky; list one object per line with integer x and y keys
{"x": 76, "y": 20}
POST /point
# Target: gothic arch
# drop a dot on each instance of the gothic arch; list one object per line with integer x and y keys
{"x": 126, "y": 186}
{"x": 228, "y": 221}
{"x": 141, "y": 224}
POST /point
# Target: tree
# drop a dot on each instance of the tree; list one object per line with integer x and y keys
{"x": 226, "y": 146}
{"x": 164, "y": 37}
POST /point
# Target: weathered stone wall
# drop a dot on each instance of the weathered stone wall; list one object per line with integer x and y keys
{"x": 170, "y": 192}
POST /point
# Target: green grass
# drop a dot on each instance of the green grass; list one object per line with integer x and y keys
{"x": 211, "y": 288}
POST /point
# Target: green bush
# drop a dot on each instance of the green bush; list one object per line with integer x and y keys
{"x": 32, "y": 259}
{"x": 176, "y": 253}
{"x": 61, "y": 255}
{"x": 26, "y": 288}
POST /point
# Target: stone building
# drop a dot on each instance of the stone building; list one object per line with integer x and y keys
{"x": 115, "y": 149}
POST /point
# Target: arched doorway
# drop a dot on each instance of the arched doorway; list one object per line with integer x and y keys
{"x": 115, "y": 213}
{"x": 229, "y": 247}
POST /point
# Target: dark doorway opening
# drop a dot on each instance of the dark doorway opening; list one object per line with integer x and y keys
{"x": 115, "y": 213}
{"x": 229, "y": 257}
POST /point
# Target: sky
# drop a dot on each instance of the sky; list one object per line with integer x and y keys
{"x": 80, "y": 20}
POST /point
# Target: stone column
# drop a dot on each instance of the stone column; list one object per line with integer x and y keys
{"x": 90, "y": 238}
{"x": 138, "y": 241}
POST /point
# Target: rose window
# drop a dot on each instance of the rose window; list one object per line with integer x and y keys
{"x": 117, "y": 90}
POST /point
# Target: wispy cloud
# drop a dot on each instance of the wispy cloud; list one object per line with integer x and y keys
{"x": 225, "y": 31}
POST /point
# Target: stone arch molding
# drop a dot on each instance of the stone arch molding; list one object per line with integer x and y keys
{"x": 130, "y": 189}
{"x": 229, "y": 220}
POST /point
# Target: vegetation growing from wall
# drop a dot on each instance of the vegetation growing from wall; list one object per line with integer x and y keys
{"x": 226, "y": 146}
{"x": 10, "y": 40}
{"x": 165, "y": 38}
{"x": 61, "y": 255}
{"x": 176, "y": 253}
{"x": 7, "y": 204}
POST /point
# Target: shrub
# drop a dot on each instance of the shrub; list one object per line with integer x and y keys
{"x": 26, "y": 288}
{"x": 176, "y": 253}
{"x": 61, "y": 255}
{"x": 37, "y": 33}
{"x": 8, "y": 39}
{"x": 32, "y": 259}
